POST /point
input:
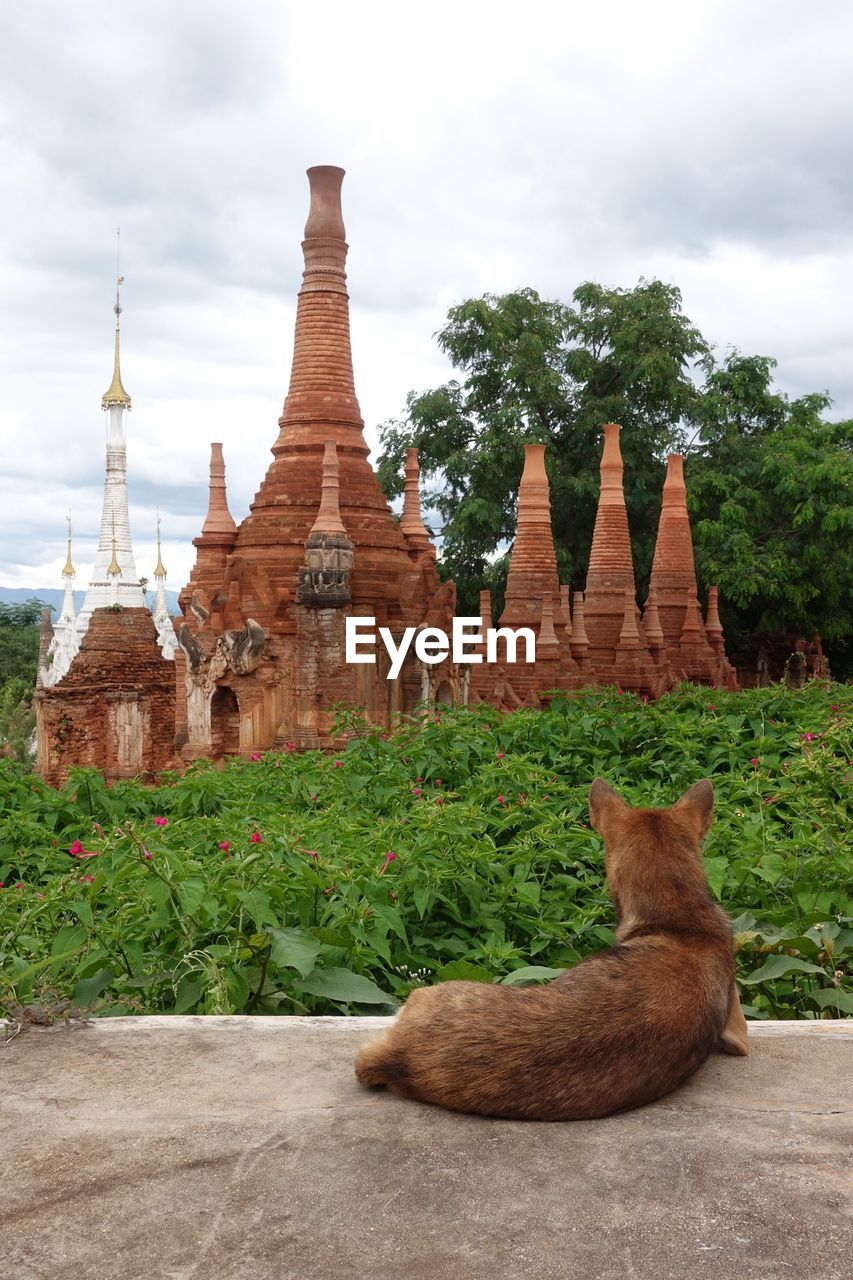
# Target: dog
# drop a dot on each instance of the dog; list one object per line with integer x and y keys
{"x": 617, "y": 1031}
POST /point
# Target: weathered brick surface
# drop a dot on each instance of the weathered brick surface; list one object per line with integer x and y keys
{"x": 610, "y": 576}
{"x": 115, "y": 707}
{"x": 256, "y": 572}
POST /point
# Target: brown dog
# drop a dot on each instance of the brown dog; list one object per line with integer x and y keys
{"x": 618, "y": 1030}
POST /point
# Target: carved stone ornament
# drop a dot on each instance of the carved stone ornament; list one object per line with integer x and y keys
{"x": 324, "y": 580}
{"x": 244, "y": 649}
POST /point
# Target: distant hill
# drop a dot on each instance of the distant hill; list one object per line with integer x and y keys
{"x": 52, "y": 596}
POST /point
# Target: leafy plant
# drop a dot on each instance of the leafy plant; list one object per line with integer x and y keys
{"x": 455, "y": 847}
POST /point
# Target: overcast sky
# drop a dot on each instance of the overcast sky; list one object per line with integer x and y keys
{"x": 488, "y": 146}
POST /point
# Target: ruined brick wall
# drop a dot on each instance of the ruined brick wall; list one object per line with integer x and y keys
{"x": 115, "y": 708}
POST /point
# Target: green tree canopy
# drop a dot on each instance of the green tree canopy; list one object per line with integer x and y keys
{"x": 769, "y": 481}
{"x": 19, "y": 640}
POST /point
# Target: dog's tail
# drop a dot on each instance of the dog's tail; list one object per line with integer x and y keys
{"x": 379, "y": 1064}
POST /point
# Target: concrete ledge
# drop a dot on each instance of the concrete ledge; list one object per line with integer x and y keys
{"x": 243, "y": 1149}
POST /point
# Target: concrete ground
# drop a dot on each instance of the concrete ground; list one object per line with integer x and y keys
{"x": 244, "y": 1149}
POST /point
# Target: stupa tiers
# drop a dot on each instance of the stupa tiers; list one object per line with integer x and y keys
{"x": 105, "y": 692}
{"x": 262, "y": 639}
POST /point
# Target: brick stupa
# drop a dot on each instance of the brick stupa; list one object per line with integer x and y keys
{"x": 265, "y": 607}
{"x": 533, "y": 598}
{"x": 618, "y": 653}
{"x": 672, "y": 590}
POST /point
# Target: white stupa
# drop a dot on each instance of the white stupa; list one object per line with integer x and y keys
{"x": 166, "y": 637}
{"x": 66, "y": 638}
{"x": 114, "y": 577}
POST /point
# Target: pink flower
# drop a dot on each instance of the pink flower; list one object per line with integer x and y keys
{"x": 87, "y": 879}
{"x": 256, "y": 755}
{"x": 255, "y": 837}
{"x": 224, "y": 845}
{"x": 644, "y": 697}
{"x": 339, "y": 764}
{"x": 146, "y": 853}
{"x": 809, "y": 737}
{"x": 439, "y": 799}
{"x": 77, "y": 851}
{"x": 290, "y": 746}
{"x": 416, "y": 791}
{"x": 312, "y": 853}
{"x": 754, "y": 762}
{"x": 161, "y": 822}
{"x": 501, "y": 801}
{"x": 711, "y": 707}
{"x": 389, "y": 858}
{"x": 418, "y": 779}
{"x": 500, "y": 755}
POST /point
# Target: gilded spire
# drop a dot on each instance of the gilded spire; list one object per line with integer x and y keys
{"x": 159, "y": 571}
{"x": 116, "y": 393}
{"x": 68, "y": 571}
{"x": 114, "y": 568}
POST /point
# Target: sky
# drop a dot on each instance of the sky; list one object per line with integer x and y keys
{"x": 488, "y": 147}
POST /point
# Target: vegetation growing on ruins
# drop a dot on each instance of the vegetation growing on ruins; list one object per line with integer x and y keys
{"x": 769, "y": 481}
{"x": 454, "y": 847}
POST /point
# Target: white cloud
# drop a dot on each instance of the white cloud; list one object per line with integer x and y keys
{"x": 487, "y": 147}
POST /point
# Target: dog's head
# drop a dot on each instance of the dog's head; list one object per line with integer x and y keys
{"x": 643, "y": 842}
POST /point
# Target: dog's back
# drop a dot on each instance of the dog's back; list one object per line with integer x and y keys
{"x": 618, "y": 1030}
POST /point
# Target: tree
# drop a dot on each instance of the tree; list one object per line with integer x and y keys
{"x": 19, "y": 640}
{"x": 538, "y": 371}
{"x": 765, "y": 475}
{"x": 770, "y": 493}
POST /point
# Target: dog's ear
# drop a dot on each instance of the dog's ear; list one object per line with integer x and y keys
{"x": 603, "y": 803}
{"x": 699, "y": 802}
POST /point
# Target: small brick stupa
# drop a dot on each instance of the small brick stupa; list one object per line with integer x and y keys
{"x": 533, "y": 598}
{"x": 693, "y": 653}
{"x": 265, "y": 607}
{"x": 618, "y": 649}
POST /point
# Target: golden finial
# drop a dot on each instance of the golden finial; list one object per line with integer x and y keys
{"x": 159, "y": 571}
{"x": 114, "y": 569}
{"x": 116, "y": 393}
{"x": 68, "y": 571}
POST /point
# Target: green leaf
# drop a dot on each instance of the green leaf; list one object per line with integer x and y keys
{"x": 777, "y": 966}
{"x": 294, "y": 949}
{"x": 190, "y": 892}
{"x": 832, "y": 998}
{"x": 344, "y": 986}
{"x": 188, "y": 994}
{"x": 531, "y": 973}
{"x": 715, "y": 870}
{"x": 88, "y": 989}
{"x": 462, "y": 971}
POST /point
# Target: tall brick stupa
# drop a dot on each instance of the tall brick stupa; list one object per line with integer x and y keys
{"x": 265, "y": 607}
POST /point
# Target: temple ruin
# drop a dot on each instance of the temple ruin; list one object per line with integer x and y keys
{"x": 256, "y": 661}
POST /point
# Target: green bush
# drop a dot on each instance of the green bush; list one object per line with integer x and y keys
{"x": 453, "y": 847}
